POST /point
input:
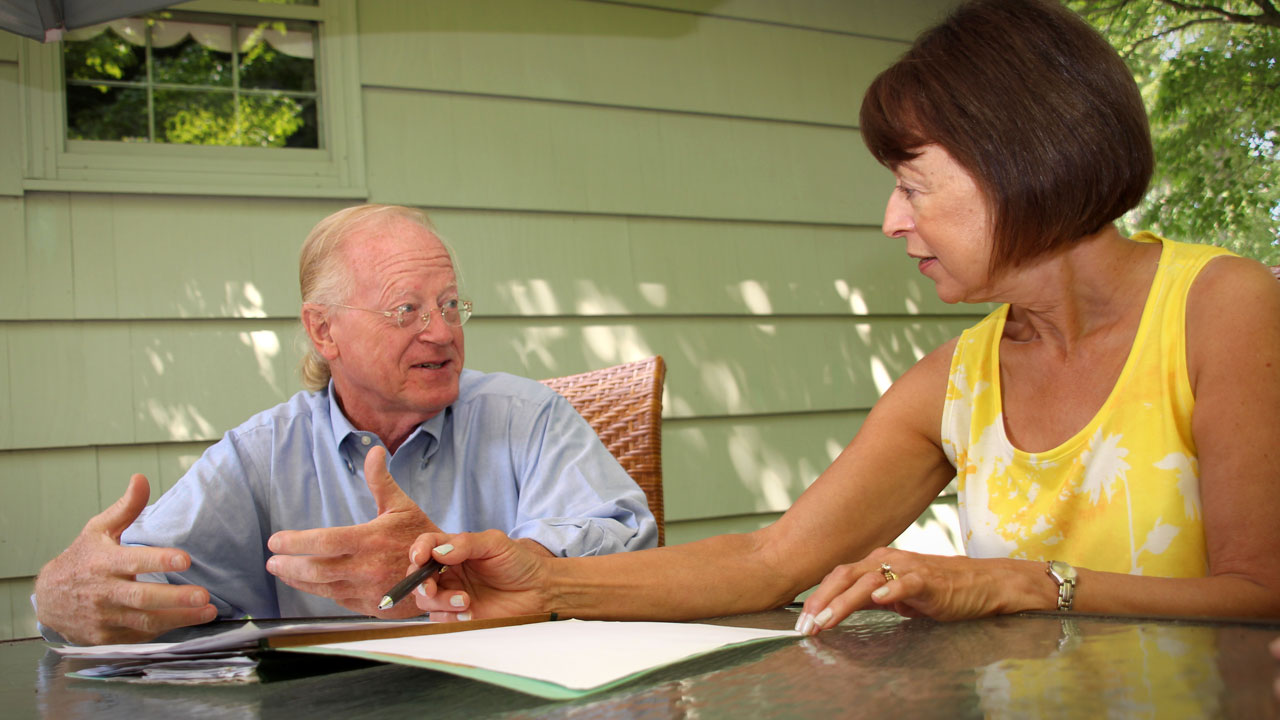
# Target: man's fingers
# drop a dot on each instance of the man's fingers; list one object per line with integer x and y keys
{"x": 316, "y": 570}
{"x": 123, "y": 511}
{"x": 319, "y": 541}
{"x": 134, "y": 560}
{"x": 129, "y": 595}
{"x": 150, "y": 623}
{"x": 385, "y": 491}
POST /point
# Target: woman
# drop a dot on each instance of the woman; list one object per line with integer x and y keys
{"x": 1112, "y": 425}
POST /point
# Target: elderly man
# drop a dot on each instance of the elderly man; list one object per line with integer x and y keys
{"x": 296, "y": 512}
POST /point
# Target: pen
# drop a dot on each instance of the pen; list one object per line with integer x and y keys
{"x": 406, "y": 586}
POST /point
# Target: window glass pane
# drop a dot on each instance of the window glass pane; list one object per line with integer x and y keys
{"x": 307, "y": 136}
{"x": 275, "y": 121}
{"x": 244, "y": 82}
{"x": 98, "y": 112}
{"x": 106, "y": 56}
{"x": 278, "y": 58}
{"x": 178, "y": 57}
{"x": 193, "y": 117}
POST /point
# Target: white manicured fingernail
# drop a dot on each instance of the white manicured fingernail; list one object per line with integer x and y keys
{"x": 802, "y": 622}
{"x": 457, "y": 601}
{"x": 880, "y": 592}
{"x": 413, "y": 557}
{"x": 444, "y": 549}
{"x": 421, "y": 590}
{"x": 464, "y": 616}
{"x": 823, "y": 617}
{"x": 808, "y": 626}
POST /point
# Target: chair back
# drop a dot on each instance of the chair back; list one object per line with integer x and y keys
{"x": 623, "y": 404}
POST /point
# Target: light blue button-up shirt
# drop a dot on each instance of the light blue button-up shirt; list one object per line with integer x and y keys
{"x": 510, "y": 454}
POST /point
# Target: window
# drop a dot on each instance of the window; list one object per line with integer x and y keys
{"x": 210, "y": 97}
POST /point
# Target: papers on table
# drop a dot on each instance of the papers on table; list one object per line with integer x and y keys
{"x": 557, "y": 659}
{"x": 245, "y": 637}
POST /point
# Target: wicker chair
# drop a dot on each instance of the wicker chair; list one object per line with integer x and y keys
{"x": 624, "y": 405}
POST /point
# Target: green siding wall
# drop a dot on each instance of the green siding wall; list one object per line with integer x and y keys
{"x": 679, "y": 177}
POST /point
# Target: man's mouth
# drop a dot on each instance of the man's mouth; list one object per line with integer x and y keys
{"x": 430, "y": 366}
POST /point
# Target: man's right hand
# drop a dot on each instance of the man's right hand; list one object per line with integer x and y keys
{"x": 90, "y": 595}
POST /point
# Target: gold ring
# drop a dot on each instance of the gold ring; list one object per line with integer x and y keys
{"x": 888, "y": 572}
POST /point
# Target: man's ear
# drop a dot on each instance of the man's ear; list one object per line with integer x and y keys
{"x": 315, "y": 319}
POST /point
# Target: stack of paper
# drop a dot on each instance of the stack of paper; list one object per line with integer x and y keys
{"x": 550, "y": 659}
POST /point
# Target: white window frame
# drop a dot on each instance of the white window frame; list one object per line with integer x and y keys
{"x": 336, "y": 170}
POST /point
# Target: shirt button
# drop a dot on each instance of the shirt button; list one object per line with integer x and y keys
{"x": 364, "y": 440}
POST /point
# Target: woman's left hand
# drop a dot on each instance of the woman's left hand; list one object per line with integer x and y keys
{"x": 935, "y": 586}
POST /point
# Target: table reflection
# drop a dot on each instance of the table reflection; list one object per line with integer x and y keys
{"x": 875, "y": 664}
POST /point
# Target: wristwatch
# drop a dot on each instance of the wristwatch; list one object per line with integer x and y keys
{"x": 1065, "y": 576}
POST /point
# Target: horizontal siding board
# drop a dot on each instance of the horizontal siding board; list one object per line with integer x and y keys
{"x": 14, "y": 302}
{"x": 43, "y": 504}
{"x": 164, "y": 257}
{"x": 743, "y": 466}
{"x": 498, "y": 153}
{"x": 9, "y": 46}
{"x": 875, "y": 18}
{"x": 109, "y": 383}
{"x": 162, "y": 464}
{"x": 23, "y": 616}
{"x": 8, "y": 600}
{"x": 70, "y": 384}
{"x": 545, "y": 264}
{"x": 11, "y": 147}
{"x": 48, "y": 251}
{"x": 7, "y": 380}
{"x": 138, "y": 256}
{"x": 620, "y": 55}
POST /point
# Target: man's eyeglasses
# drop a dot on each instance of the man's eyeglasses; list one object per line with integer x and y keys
{"x": 453, "y": 312}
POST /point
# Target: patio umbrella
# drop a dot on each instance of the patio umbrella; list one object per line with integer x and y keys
{"x": 45, "y": 20}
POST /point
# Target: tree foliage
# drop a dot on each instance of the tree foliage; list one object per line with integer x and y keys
{"x": 1210, "y": 75}
{"x": 190, "y": 92}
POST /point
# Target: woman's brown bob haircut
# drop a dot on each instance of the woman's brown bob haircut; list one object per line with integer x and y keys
{"x": 1035, "y": 104}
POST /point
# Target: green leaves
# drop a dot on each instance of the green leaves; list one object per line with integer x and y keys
{"x": 1211, "y": 78}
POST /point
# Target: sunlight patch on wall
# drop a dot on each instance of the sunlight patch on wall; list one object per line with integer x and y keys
{"x": 755, "y": 297}
{"x": 180, "y": 423}
{"x": 936, "y": 532}
{"x": 653, "y": 293}
{"x": 536, "y": 342}
{"x": 265, "y": 345}
{"x": 532, "y": 297}
{"x": 247, "y": 302}
{"x": 880, "y": 375}
{"x": 592, "y": 301}
{"x": 615, "y": 344}
{"x": 720, "y": 383}
{"x": 763, "y": 472}
{"x": 157, "y": 361}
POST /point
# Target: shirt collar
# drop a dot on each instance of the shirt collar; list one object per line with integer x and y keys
{"x": 342, "y": 427}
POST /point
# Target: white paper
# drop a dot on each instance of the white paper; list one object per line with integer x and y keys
{"x": 577, "y": 654}
{"x": 243, "y": 637}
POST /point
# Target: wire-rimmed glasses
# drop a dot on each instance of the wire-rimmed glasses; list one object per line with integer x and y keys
{"x": 454, "y": 313}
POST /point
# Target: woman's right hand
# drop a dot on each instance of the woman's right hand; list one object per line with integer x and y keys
{"x": 487, "y": 574}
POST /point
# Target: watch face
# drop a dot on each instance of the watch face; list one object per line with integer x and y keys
{"x": 1063, "y": 570}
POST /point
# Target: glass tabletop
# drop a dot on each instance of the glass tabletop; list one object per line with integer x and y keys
{"x": 875, "y": 664}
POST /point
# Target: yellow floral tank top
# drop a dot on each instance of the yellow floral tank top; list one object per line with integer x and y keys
{"x": 1123, "y": 493}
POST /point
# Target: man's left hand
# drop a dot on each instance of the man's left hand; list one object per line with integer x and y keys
{"x": 355, "y": 565}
